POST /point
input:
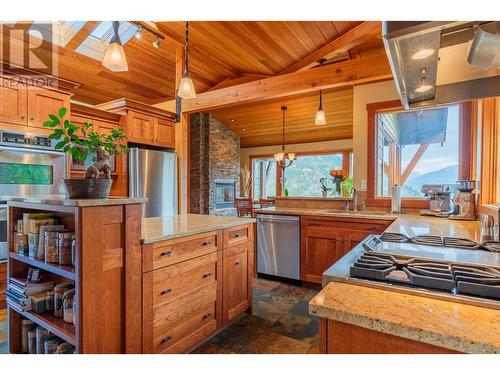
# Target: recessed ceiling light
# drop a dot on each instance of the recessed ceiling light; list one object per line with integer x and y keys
{"x": 232, "y": 120}
{"x": 156, "y": 43}
{"x": 244, "y": 129}
{"x": 138, "y": 34}
{"x": 423, "y": 54}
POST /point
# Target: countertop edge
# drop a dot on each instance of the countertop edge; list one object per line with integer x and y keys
{"x": 396, "y": 329}
{"x": 91, "y": 202}
{"x": 238, "y": 222}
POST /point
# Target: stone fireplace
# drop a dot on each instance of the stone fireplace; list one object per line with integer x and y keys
{"x": 215, "y": 166}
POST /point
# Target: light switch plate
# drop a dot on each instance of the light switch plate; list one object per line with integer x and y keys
{"x": 364, "y": 186}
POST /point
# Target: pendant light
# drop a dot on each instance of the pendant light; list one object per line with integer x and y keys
{"x": 320, "y": 114}
{"x": 114, "y": 58}
{"x": 186, "y": 86}
{"x": 284, "y": 161}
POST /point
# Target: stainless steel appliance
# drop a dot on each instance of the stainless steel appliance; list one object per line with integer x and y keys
{"x": 439, "y": 197}
{"x": 440, "y": 62}
{"x": 445, "y": 268}
{"x": 153, "y": 175}
{"x": 465, "y": 201}
{"x": 30, "y": 165}
{"x": 278, "y": 246}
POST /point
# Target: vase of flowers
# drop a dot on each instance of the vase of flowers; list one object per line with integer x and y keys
{"x": 80, "y": 142}
{"x": 324, "y": 187}
{"x": 338, "y": 176}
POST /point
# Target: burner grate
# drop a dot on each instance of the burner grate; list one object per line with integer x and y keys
{"x": 459, "y": 279}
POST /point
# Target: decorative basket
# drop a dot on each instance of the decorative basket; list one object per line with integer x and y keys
{"x": 87, "y": 187}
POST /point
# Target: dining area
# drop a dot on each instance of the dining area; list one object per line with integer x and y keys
{"x": 245, "y": 206}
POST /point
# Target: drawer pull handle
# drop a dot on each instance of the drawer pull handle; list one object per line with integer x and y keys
{"x": 207, "y": 243}
{"x": 207, "y": 316}
{"x": 237, "y": 263}
{"x": 167, "y": 252}
{"x": 168, "y": 290}
{"x": 237, "y": 235}
{"x": 208, "y": 274}
{"x": 165, "y": 339}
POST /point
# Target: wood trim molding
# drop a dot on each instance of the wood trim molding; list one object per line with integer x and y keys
{"x": 489, "y": 152}
{"x": 465, "y": 149}
{"x": 122, "y": 105}
{"x": 94, "y": 113}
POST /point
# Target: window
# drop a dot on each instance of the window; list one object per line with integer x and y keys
{"x": 416, "y": 147}
{"x": 301, "y": 178}
{"x": 97, "y": 42}
{"x": 264, "y": 178}
{"x": 58, "y": 32}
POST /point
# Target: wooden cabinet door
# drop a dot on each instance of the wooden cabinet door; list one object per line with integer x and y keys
{"x": 235, "y": 282}
{"x": 13, "y": 102}
{"x": 104, "y": 127}
{"x": 43, "y": 102}
{"x": 140, "y": 128}
{"x": 352, "y": 238}
{"x": 319, "y": 250}
{"x": 164, "y": 133}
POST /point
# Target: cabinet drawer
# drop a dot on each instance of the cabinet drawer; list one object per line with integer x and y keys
{"x": 166, "y": 338}
{"x": 373, "y": 226}
{"x": 238, "y": 235}
{"x": 177, "y": 310}
{"x": 165, "y": 253}
{"x": 178, "y": 279}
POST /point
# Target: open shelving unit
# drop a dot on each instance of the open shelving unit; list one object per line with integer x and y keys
{"x": 18, "y": 265}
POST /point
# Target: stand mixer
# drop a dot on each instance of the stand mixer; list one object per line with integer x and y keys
{"x": 465, "y": 200}
{"x": 439, "y": 197}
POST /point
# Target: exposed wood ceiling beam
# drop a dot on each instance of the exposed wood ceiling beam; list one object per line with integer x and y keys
{"x": 176, "y": 41}
{"x": 237, "y": 81}
{"x": 80, "y": 36}
{"x": 358, "y": 35}
{"x": 359, "y": 71}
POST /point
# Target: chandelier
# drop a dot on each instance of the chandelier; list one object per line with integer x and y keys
{"x": 284, "y": 160}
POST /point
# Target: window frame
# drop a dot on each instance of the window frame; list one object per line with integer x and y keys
{"x": 346, "y": 164}
{"x": 465, "y": 150}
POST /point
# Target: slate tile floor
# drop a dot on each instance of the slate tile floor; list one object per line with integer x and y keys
{"x": 280, "y": 323}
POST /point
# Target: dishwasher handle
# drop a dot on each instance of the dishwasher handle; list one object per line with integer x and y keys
{"x": 278, "y": 218}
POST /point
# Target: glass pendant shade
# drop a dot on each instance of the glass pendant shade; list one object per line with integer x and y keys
{"x": 291, "y": 156}
{"x": 279, "y": 156}
{"x": 320, "y": 117}
{"x": 115, "y": 59}
{"x": 186, "y": 88}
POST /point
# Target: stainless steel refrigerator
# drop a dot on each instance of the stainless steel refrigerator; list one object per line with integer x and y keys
{"x": 153, "y": 175}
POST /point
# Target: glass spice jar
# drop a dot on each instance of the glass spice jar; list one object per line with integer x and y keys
{"x": 32, "y": 341}
{"x": 49, "y": 301}
{"x": 59, "y": 291}
{"x": 50, "y": 244}
{"x": 41, "y": 336}
{"x": 68, "y": 299}
{"x": 73, "y": 249}
{"x": 64, "y": 243}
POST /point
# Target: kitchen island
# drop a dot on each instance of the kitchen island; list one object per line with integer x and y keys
{"x": 156, "y": 285}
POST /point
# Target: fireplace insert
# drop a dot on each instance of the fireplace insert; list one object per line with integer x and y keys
{"x": 224, "y": 194}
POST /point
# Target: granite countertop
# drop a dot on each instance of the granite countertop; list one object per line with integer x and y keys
{"x": 409, "y": 224}
{"x": 61, "y": 200}
{"x": 462, "y": 327}
{"x": 162, "y": 228}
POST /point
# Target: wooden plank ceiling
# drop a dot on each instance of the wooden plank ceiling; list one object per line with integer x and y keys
{"x": 220, "y": 52}
{"x": 260, "y": 124}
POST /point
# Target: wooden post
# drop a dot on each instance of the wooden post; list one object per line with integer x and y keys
{"x": 182, "y": 140}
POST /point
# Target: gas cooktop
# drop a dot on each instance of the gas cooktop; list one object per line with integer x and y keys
{"x": 458, "y": 270}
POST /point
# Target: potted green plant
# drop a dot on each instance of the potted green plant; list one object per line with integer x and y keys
{"x": 80, "y": 142}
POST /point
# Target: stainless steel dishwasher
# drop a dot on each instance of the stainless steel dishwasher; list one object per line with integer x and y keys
{"x": 278, "y": 246}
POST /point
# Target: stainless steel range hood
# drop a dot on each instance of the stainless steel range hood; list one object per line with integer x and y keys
{"x": 442, "y": 62}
